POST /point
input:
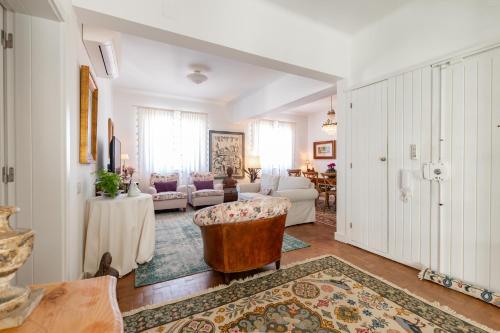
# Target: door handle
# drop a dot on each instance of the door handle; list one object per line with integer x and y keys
{"x": 383, "y": 158}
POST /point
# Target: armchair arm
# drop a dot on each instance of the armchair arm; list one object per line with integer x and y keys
{"x": 182, "y": 188}
{"x": 297, "y": 195}
{"x": 191, "y": 189}
{"x": 151, "y": 190}
{"x": 248, "y": 187}
{"x": 218, "y": 186}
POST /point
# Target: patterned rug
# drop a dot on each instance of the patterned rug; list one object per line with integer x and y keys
{"x": 179, "y": 250}
{"x": 328, "y": 216}
{"x": 322, "y": 295}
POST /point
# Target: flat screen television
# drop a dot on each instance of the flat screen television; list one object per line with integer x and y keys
{"x": 115, "y": 151}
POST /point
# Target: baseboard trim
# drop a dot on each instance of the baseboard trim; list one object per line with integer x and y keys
{"x": 340, "y": 237}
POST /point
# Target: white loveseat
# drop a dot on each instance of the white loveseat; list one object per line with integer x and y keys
{"x": 299, "y": 190}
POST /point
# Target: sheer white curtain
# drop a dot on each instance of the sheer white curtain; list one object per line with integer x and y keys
{"x": 171, "y": 141}
{"x": 274, "y": 142}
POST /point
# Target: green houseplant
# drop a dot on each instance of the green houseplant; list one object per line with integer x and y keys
{"x": 107, "y": 182}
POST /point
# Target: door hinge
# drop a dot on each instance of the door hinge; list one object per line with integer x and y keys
{"x": 7, "y": 40}
{"x": 350, "y": 165}
{"x": 350, "y": 105}
{"x": 10, "y": 176}
{"x": 350, "y": 225}
{"x": 7, "y": 175}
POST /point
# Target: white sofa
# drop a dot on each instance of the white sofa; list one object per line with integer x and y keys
{"x": 198, "y": 197}
{"x": 299, "y": 190}
{"x": 167, "y": 200}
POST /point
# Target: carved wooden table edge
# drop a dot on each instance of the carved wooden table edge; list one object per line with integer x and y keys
{"x": 76, "y": 306}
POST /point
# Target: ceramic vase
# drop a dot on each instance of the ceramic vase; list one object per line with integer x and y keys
{"x": 16, "y": 245}
{"x": 133, "y": 190}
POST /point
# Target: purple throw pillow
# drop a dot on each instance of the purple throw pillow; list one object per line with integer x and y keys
{"x": 204, "y": 184}
{"x": 166, "y": 186}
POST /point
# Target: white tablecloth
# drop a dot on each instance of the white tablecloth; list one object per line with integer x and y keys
{"x": 123, "y": 226}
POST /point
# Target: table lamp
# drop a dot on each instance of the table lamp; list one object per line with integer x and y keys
{"x": 124, "y": 157}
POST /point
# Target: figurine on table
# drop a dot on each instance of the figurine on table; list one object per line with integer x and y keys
{"x": 229, "y": 185}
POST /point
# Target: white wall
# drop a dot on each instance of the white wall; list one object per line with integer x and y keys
{"x": 315, "y": 133}
{"x": 81, "y": 178}
{"x": 421, "y": 31}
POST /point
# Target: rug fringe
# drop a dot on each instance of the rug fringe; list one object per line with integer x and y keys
{"x": 435, "y": 304}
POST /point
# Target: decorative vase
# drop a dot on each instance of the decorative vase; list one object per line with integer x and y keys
{"x": 133, "y": 190}
{"x": 16, "y": 303}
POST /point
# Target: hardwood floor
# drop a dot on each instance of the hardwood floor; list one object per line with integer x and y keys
{"x": 320, "y": 236}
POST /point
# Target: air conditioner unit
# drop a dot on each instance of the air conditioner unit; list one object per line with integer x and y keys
{"x": 102, "y": 50}
{"x": 103, "y": 58}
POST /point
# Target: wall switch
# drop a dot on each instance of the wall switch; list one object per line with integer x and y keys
{"x": 413, "y": 152}
{"x": 78, "y": 187}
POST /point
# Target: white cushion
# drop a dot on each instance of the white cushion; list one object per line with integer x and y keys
{"x": 268, "y": 182}
{"x": 293, "y": 183}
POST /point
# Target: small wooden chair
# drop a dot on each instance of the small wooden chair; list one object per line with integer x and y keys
{"x": 327, "y": 185}
{"x": 294, "y": 172}
{"x": 311, "y": 175}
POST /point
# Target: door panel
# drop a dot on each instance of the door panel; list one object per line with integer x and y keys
{"x": 470, "y": 226}
{"x": 3, "y": 199}
{"x": 369, "y": 167}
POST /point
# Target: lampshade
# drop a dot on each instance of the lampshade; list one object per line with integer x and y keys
{"x": 253, "y": 162}
{"x": 124, "y": 157}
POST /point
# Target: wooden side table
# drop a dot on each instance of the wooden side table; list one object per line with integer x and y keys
{"x": 230, "y": 194}
{"x": 76, "y": 306}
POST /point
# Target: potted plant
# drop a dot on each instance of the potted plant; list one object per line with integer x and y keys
{"x": 108, "y": 183}
{"x": 331, "y": 168}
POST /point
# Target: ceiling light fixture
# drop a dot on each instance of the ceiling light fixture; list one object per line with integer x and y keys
{"x": 330, "y": 125}
{"x": 197, "y": 76}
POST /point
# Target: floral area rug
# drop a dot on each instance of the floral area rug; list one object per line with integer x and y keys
{"x": 179, "y": 250}
{"x": 322, "y": 295}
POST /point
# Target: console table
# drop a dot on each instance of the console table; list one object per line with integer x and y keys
{"x": 123, "y": 226}
{"x": 76, "y": 306}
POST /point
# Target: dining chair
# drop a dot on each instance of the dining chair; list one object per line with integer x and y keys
{"x": 294, "y": 172}
{"x": 327, "y": 185}
{"x": 311, "y": 175}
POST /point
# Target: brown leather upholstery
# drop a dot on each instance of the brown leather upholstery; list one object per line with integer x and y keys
{"x": 243, "y": 246}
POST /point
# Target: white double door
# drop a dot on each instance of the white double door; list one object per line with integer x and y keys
{"x": 470, "y": 217}
{"x": 446, "y": 113}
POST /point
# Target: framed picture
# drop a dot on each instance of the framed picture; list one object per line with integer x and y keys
{"x": 88, "y": 117}
{"x": 325, "y": 150}
{"x": 227, "y": 149}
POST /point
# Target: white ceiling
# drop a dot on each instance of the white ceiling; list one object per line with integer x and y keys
{"x": 161, "y": 68}
{"x": 348, "y": 16}
{"x": 320, "y": 105}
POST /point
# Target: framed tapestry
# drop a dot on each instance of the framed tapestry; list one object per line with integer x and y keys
{"x": 325, "y": 150}
{"x": 226, "y": 149}
{"x": 88, "y": 116}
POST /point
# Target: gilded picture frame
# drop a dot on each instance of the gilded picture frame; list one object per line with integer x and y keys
{"x": 88, "y": 116}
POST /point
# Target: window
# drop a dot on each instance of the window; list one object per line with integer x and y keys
{"x": 274, "y": 142}
{"x": 170, "y": 141}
